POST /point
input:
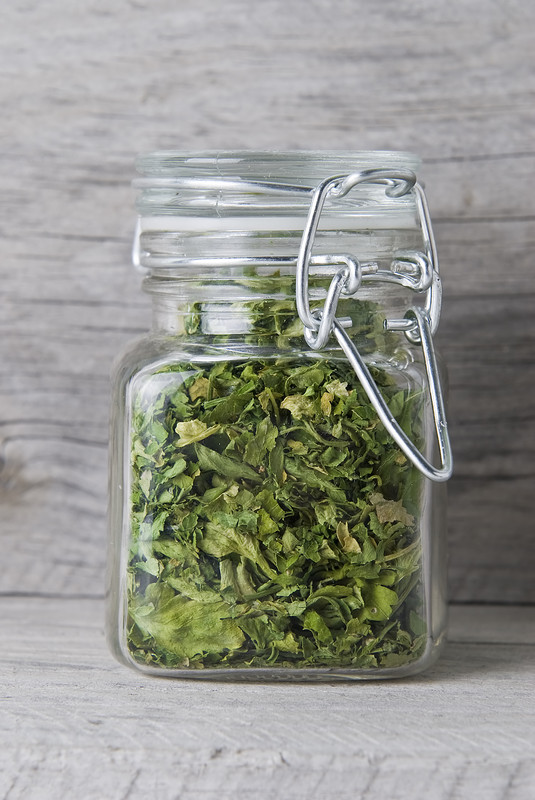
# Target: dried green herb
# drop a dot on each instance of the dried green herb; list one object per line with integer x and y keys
{"x": 274, "y": 522}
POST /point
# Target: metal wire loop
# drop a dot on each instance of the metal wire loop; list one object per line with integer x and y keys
{"x": 417, "y": 271}
{"x": 439, "y": 474}
{"x": 397, "y": 182}
{"x": 345, "y": 282}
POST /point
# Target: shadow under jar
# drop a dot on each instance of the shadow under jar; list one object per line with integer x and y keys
{"x": 274, "y": 511}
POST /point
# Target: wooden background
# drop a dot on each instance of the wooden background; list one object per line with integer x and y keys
{"x": 84, "y": 87}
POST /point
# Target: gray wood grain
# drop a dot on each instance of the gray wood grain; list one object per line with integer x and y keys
{"x": 87, "y": 88}
{"x": 76, "y": 725}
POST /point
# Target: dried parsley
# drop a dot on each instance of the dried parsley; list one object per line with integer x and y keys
{"x": 274, "y": 522}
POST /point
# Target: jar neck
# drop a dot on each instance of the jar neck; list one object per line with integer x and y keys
{"x": 261, "y": 311}
{"x": 193, "y": 209}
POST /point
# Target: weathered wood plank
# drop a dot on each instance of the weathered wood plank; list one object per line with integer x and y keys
{"x": 34, "y": 773}
{"x": 76, "y": 724}
{"x": 485, "y": 624}
{"x": 89, "y": 89}
{"x": 469, "y": 63}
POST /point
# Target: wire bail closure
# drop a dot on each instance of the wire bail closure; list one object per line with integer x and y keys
{"x": 418, "y": 325}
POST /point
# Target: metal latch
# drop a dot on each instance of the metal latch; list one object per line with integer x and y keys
{"x": 418, "y": 324}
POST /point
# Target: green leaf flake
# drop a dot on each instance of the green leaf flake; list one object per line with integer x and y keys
{"x": 158, "y": 432}
{"x": 326, "y": 513}
{"x": 390, "y": 510}
{"x": 337, "y": 388}
{"x": 313, "y": 622}
{"x": 261, "y": 443}
{"x": 199, "y": 388}
{"x": 325, "y": 403}
{"x": 174, "y": 469}
{"x": 221, "y": 542}
{"x": 189, "y": 628}
{"x": 228, "y": 409}
{"x": 314, "y": 480}
{"x": 145, "y": 482}
{"x": 193, "y": 431}
{"x": 349, "y": 544}
{"x": 299, "y": 406}
{"x": 211, "y": 461}
{"x": 296, "y": 608}
{"x": 379, "y": 602}
{"x": 236, "y": 577}
{"x": 276, "y": 464}
{"x": 151, "y": 565}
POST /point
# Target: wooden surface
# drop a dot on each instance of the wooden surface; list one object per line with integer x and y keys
{"x": 88, "y": 88}
{"x": 77, "y": 725}
{"x": 84, "y": 88}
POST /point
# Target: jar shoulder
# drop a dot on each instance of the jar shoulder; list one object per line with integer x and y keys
{"x": 154, "y": 351}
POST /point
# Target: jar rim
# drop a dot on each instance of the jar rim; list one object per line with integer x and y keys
{"x": 272, "y": 164}
{"x": 220, "y": 185}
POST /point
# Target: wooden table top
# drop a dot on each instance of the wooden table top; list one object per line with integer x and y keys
{"x": 77, "y": 725}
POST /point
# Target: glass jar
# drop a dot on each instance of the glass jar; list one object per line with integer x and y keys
{"x": 274, "y": 513}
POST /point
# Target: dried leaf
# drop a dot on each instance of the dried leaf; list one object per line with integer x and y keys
{"x": 349, "y": 544}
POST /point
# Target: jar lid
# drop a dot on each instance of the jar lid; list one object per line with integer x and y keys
{"x": 266, "y": 190}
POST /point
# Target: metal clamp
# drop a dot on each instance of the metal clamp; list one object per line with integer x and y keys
{"x": 418, "y": 325}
